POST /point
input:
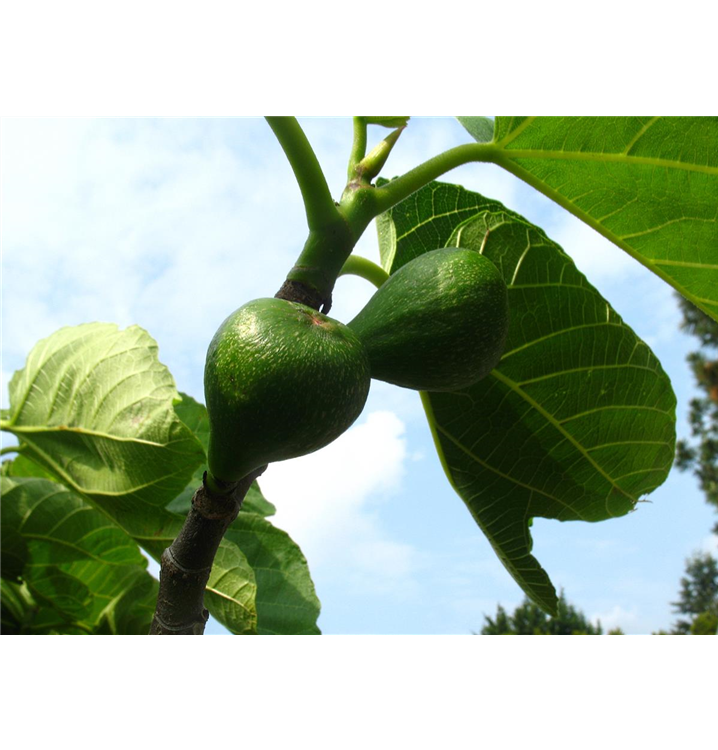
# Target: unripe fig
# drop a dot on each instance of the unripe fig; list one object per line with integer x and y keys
{"x": 281, "y": 380}
{"x": 438, "y": 324}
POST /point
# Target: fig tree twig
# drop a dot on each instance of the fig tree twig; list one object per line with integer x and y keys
{"x": 187, "y": 562}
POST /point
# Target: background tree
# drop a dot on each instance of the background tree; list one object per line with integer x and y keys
{"x": 502, "y": 625}
{"x": 529, "y": 619}
{"x": 705, "y": 624}
{"x": 698, "y": 597}
{"x": 701, "y": 454}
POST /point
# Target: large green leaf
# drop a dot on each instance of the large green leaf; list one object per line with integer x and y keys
{"x": 577, "y": 422}
{"x": 648, "y": 184}
{"x": 94, "y": 406}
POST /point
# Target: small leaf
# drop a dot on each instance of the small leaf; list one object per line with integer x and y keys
{"x": 481, "y": 128}
{"x": 231, "y": 590}
{"x": 286, "y": 600}
{"x": 577, "y": 422}
{"x": 387, "y": 122}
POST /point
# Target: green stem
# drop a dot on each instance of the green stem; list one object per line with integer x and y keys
{"x": 395, "y": 191}
{"x": 358, "y": 146}
{"x": 333, "y": 236}
{"x": 318, "y": 202}
{"x": 10, "y": 449}
{"x": 312, "y": 278}
{"x": 364, "y": 268}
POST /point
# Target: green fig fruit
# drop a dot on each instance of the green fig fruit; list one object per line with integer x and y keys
{"x": 438, "y": 324}
{"x": 281, "y": 380}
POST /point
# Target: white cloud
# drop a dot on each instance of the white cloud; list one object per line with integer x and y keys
{"x": 135, "y": 222}
{"x": 617, "y": 617}
{"x": 327, "y": 502}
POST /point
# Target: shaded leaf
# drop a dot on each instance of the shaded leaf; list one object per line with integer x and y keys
{"x": 43, "y": 523}
{"x": 123, "y": 619}
{"x": 79, "y": 564}
{"x": 58, "y": 526}
{"x": 577, "y": 422}
{"x": 16, "y": 607}
{"x": 67, "y": 595}
{"x": 13, "y": 553}
{"x": 648, "y": 184}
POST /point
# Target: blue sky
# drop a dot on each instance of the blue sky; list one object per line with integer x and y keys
{"x": 174, "y": 223}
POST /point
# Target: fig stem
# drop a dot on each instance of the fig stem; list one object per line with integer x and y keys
{"x": 358, "y": 151}
{"x": 187, "y": 563}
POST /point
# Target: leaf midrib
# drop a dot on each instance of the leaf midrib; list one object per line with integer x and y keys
{"x": 604, "y": 156}
{"x": 33, "y": 429}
